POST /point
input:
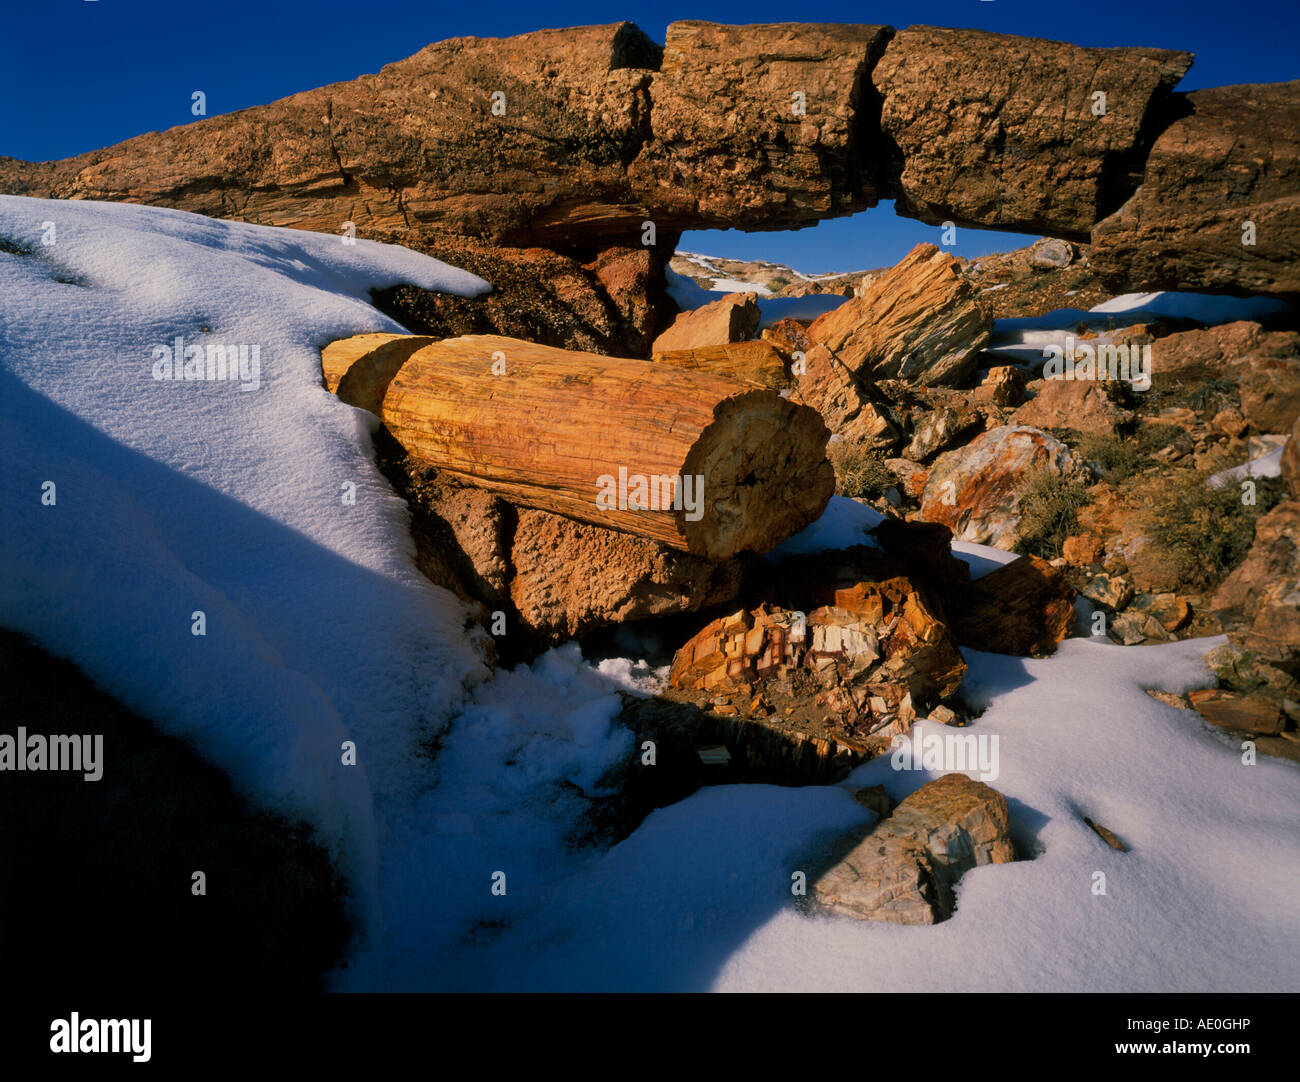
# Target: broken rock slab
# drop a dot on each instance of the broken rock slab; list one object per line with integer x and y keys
{"x": 854, "y": 411}
{"x": 906, "y": 869}
{"x": 1219, "y": 204}
{"x": 1005, "y": 132}
{"x": 1023, "y": 608}
{"x": 854, "y": 671}
{"x": 733, "y": 318}
{"x": 920, "y": 321}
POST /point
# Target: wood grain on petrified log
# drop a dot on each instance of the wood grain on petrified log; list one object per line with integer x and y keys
{"x": 557, "y": 429}
{"x": 755, "y": 362}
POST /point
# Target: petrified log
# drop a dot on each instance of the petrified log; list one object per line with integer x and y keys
{"x": 755, "y": 362}
{"x": 709, "y": 465}
{"x": 365, "y": 384}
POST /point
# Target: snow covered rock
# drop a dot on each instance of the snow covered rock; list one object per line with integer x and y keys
{"x": 905, "y": 870}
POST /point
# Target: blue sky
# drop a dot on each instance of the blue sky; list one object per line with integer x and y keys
{"x": 82, "y": 74}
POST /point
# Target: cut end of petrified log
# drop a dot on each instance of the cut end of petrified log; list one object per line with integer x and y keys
{"x": 359, "y": 369}
{"x": 765, "y": 474}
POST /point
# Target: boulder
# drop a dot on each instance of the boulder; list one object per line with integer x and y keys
{"x": 940, "y": 429}
{"x": 911, "y": 476}
{"x": 920, "y": 321}
{"x": 976, "y": 490}
{"x": 1291, "y": 460}
{"x": 733, "y": 318}
{"x": 852, "y": 410}
{"x": 1225, "y": 173}
{"x": 1083, "y": 405}
{"x": 1003, "y": 386}
{"x": 789, "y": 336}
{"x": 906, "y": 869}
{"x": 885, "y": 637}
{"x": 1051, "y": 254}
{"x": 1169, "y": 610}
{"x": 1002, "y": 131}
{"x": 1187, "y": 358}
{"x": 1270, "y": 391}
{"x": 1260, "y": 600}
{"x": 1083, "y": 550}
{"x": 1237, "y": 712}
{"x": 1109, "y": 591}
{"x": 558, "y": 578}
{"x": 570, "y": 578}
{"x": 1023, "y": 608}
{"x": 1133, "y": 628}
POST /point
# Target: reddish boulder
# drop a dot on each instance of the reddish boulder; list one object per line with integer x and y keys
{"x": 976, "y": 490}
{"x": 733, "y": 318}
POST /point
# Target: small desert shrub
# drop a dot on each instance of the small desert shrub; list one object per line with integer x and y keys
{"x": 1215, "y": 393}
{"x": 859, "y": 472}
{"x": 1205, "y": 531}
{"x": 1119, "y": 456}
{"x": 1049, "y": 514}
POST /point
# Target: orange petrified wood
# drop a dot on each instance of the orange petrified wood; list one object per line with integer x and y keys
{"x": 704, "y": 463}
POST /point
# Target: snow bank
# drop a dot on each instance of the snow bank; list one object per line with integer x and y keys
{"x": 180, "y": 496}
{"x": 1206, "y": 308}
{"x": 844, "y": 523}
{"x": 699, "y": 897}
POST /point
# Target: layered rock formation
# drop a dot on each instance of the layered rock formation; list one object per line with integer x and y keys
{"x": 920, "y": 321}
{"x": 733, "y": 318}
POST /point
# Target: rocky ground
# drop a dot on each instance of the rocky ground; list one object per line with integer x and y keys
{"x": 1107, "y": 489}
